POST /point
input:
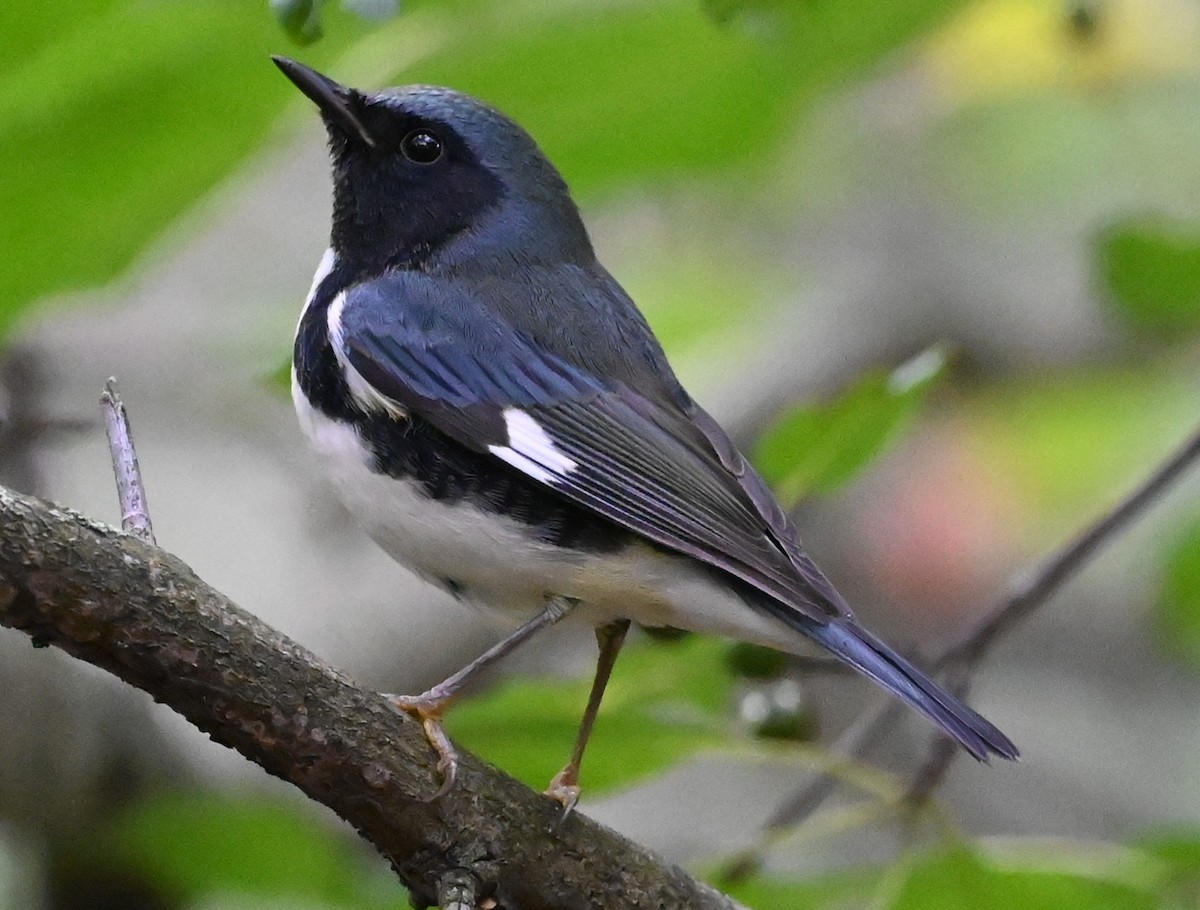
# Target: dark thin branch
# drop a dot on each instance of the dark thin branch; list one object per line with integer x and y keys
{"x": 962, "y": 657}
{"x": 1040, "y": 585}
{"x": 140, "y": 613}
{"x": 859, "y": 738}
{"x": 24, "y": 426}
{"x": 932, "y": 772}
{"x": 131, "y": 491}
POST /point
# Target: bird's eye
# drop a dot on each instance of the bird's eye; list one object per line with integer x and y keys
{"x": 421, "y": 146}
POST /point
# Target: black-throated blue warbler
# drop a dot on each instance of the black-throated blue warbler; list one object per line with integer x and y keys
{"x": 497, "y": 413}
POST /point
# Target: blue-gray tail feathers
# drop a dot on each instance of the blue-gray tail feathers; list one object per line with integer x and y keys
{"x": 858, "y": 648}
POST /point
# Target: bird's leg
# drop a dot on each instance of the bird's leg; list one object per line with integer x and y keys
{"x": 429, "y": 707}
{"x": 565, "y": 785}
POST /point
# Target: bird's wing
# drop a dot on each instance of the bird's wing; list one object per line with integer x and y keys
{"x": 648, "y": 466}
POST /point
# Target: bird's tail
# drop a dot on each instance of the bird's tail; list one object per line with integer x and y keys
{"x": 855, "y": 646}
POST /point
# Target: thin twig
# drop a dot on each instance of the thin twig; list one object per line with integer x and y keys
{"x": 1038, "y": 586}
{"x": 963, "y": 656}
{"x": 131, "y": 491}
{"x": 867, "y": 731}
{"x": 24, "y": 427}
{"x": 942, "y": 749}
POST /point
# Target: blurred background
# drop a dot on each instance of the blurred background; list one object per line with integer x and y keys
{"x": 936, "y": 263}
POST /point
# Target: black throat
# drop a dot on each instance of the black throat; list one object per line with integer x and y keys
{"x": 390, "y": 213}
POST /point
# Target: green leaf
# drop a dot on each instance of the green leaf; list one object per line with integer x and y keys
{"x": 116, "y": 119}
{"x": 1059, "y": 152}
{"x": 192, "y": 844}
{"x": 849, "y": 888}
{"x": 116, "y": 116}
{"x": 696, "y": 295}
{"x": 1065, "y": 441}
{"x": 1152, "y": 269}
{"x": 997, "y": 874}
{"x": 1036, "y": 876}
{"x": 279, "y": 379}
{"x": 1179, "y": 849}
{"x": 747, "y": 661}
{"x": 665, "y": 703}
{"x": 816, "y": 448}
{"x": 657, "y": 91}
{"x": 1178, "y": 608}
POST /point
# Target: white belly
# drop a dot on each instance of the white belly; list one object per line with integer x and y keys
{"x": 496, "y": 563}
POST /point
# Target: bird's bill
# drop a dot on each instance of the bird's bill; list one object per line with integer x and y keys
{"x": 331, "y": 97}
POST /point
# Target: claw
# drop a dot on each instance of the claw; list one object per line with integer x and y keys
{"x": 564, "y": 790}
{"x": 430, "y": 706}
{"x": 429, "y": 712}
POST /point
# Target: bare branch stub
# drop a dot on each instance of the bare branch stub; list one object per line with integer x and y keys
{"x": 458, "y": 890}
{"x": 131, "y": 490}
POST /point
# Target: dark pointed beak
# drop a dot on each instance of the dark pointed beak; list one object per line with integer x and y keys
{"x": 333, "y": 99}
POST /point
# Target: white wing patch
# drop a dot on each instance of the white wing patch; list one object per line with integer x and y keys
{"x": 366, "y": 395}
{"x": 530, "y": 449}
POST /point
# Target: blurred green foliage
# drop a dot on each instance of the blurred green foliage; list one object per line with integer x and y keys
{"x": 200, "y": 849}
{"x": 1179, "y": 850}
{"x": 1079, "y": 164}
{"x": 100, "y": 164}
{"x": 848, "y": 888}
{"x": 1029, "y": 877}
{"x": 1178, "y": 611}
{"x": 117, "y": 116}
{"x": 816, "y": 448}
{"x": 1070, "y": 440}
{"x": 301, "y": 19}
{"x": 1152, "y": 270}
{"x": 196, "y": 846}
{"x": 659, "y": 90}
{"x": 996, "y": 875}
{"x": 666, "y": 703}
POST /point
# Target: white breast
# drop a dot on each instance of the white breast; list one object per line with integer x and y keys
{"x": 499, "y": 565}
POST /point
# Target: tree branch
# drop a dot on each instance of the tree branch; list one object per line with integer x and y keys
{"x": 140, "y": 613}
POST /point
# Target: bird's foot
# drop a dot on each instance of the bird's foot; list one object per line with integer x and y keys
{"x": 429, "y": 711}
{"x": 564, "y": 789}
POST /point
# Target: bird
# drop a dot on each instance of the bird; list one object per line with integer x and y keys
{"x": 496, "y": 412}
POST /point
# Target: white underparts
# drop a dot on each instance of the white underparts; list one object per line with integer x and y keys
{"x": 530, "y": 449}
{"x": 496, "y": 563}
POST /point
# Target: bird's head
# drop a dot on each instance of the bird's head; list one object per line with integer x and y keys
{"x": 431, "y": 178}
